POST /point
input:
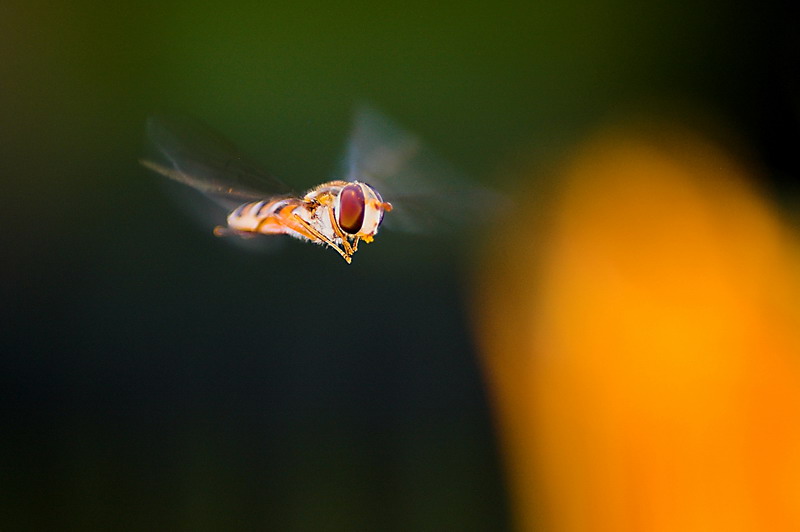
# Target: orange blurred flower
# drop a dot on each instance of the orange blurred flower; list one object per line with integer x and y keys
{"x": 642, "y": 344}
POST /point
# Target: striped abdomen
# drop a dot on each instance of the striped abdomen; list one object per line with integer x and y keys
{"x": 267, "y": 216}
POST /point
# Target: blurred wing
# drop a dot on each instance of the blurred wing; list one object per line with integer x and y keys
{"x": 427, "y": 195}
{"x": 189, "y": 152}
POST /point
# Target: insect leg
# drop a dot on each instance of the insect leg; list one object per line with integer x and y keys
{"x": 308, "y": 227}
{"x": 221, "y": 230}
{"x": 327, "y": 199}
{"x": 340, "y": 234}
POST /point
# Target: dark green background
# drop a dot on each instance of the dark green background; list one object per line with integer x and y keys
{"x": 152, "y": 377}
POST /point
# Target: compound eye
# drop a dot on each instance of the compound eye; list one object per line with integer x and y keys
{"x": 351, "y": 209}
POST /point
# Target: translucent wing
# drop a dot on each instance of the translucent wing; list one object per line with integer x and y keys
{"x": 427, "y": 195}
{"x": 189, "y": 152}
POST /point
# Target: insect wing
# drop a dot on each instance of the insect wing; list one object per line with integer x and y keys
{"x": 189, "y": 152}
{"x": 427, "y": 195}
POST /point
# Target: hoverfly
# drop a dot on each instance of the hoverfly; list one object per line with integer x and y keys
{"x": 339, "y": 213}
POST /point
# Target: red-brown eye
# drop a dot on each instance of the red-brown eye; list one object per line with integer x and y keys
{"x": 351, "y": 209}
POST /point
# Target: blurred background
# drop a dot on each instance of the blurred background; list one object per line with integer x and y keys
{"x": 621, "y": 357}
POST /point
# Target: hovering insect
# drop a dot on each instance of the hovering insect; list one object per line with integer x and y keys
{"x": 339, "y": 213}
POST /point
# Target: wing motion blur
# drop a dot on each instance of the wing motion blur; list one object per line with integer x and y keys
{"x": 189, "y": 152}
{"x": 428, "y": 195}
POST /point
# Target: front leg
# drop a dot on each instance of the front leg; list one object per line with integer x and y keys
{"x": 319, "y": 236}
{"x": 338, "y": 230}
